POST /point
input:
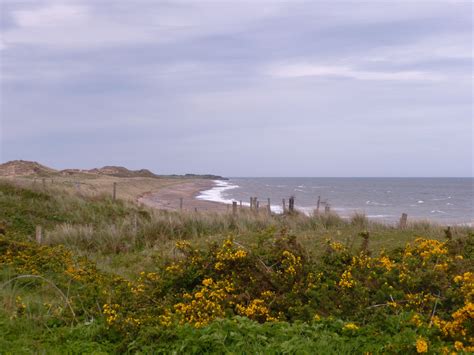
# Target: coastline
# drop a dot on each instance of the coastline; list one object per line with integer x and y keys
{"x": 169, "y": 198}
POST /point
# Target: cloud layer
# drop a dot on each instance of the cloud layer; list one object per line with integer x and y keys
{"x": 240, "y": 88}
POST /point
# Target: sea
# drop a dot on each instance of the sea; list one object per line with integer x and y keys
{"x": 440, "y": 200}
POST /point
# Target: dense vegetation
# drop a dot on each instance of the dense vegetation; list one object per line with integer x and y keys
{"x": 115, "y": 277}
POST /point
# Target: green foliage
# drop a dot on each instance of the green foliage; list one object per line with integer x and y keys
{"x": 243, "y": 336}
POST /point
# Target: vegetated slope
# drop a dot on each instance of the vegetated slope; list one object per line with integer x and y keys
{"x": 24, "y": 168}
{"x": 17, "y": 168}
{"x": 120, "y": 171}
{"x": 243, "y": 282}
{"x": 22, "y": 209}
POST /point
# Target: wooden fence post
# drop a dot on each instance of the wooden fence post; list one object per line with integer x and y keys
{"x": 135, "y": 224}
{"x": 39, "y": 234}
{"x": 291, "y": 204}
{"x": 257, "y": 203}
{"x": 114, "y": 194}
{"x": 234, "y": 207}
{"x": 180, "y": 203}
{"x": 269, "y": 207}
{"x": 251, "y": 202}
{"x": 318, "y": 204}
{"x": 284, "y": 205}
{"x": 403, "y": 220}
{"x": 240, "y": 204}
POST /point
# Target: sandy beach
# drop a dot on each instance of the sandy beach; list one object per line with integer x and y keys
{"x": 168, "y": 198}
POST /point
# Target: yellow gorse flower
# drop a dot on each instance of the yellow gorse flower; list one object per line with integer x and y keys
{"x": 351, "y": 326}
{"x": 346, "y": 280}
{"x": 421, "y": 346}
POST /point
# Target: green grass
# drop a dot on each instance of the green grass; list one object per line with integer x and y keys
{"x": 25, "y": 208}
{"x": 227, "y": 336}
{"x": 22, "y": 336}
{"x": 121, "y": 235}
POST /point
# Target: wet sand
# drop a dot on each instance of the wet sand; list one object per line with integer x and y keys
{"x": 168, "y": 198}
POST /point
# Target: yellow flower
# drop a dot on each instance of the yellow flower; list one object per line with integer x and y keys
{"x": 416, "y": 320}
{"x": 421, "y": 346}
{"x": 351, "y": 326}
{"x": 386, "y": 263}
{"x": 173, "y": 268}
{"x": 346, "y": 280}
{"x": 336, "y": 246}
{"x": 207, "y": 282}
{"x": 458, "y": 346}
{"x": 219, "y": 266}
{"x": 240, "y": 254}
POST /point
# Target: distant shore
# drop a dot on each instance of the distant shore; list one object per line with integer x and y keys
{"x": 169, "y": 198}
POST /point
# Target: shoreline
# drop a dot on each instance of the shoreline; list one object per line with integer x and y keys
{"x": 169, "y": 198}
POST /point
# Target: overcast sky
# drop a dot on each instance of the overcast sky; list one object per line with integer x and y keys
{"x": 375, "y": 88}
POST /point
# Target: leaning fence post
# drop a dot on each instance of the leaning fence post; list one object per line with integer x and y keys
{"x": 318, "y": 204}
{"x": 403, "y": 220}
{"x": 39, "y": 235}
{"x": 234, "y": 207}
{"x": 114, "y": 195}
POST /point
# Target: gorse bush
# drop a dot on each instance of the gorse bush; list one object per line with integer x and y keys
{"x": 275, "y": 280}
{"x": 425, "y": 290}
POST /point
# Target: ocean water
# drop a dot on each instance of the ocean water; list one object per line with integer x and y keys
{"x": 442, "y": 200}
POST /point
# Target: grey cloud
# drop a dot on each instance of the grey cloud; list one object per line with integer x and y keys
{"x": 185, "y": 86}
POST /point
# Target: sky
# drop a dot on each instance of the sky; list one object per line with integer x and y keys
{"x": 300, "y": 88}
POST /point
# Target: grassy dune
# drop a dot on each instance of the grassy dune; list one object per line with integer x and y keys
{"x": 113, "y": 276}
{"x": 95, "y": 185}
